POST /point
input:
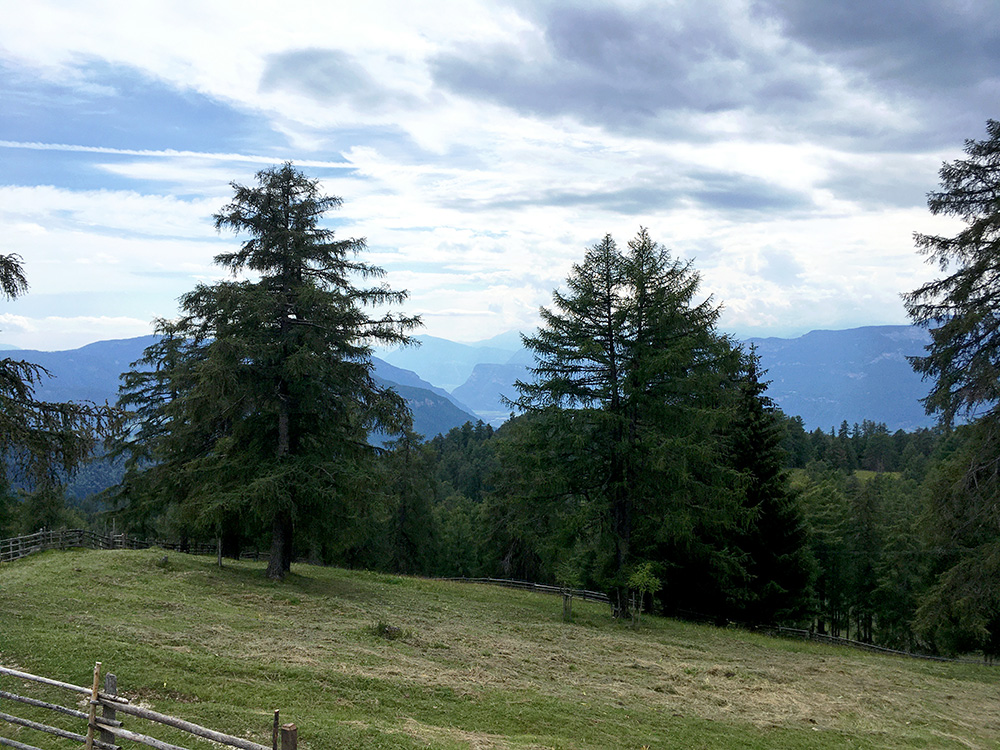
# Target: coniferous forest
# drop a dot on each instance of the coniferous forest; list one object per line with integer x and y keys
{"x": 644, "y": 457}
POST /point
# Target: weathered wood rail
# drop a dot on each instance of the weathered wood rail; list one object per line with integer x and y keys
{"x": 22, "y": 546}
{"x": 774, "y": 630}
{"x": 105, "y": 730}
{"x": 542, "y": 588}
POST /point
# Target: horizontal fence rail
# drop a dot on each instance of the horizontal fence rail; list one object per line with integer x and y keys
{"x": 104, "y": 731}
{"x": 594, "y": 596}
{"x": 22, "y": 546}
{"x": 810, "y": 635}
{"x": 775, "y": 630}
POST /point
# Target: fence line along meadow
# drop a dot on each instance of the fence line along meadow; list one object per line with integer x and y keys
{"x": 105, "y": 730}
{"x": 543, "y": 588}
{"x": 22, "y": 546}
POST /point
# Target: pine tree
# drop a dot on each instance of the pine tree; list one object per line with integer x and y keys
{"x": 266, "y": 400}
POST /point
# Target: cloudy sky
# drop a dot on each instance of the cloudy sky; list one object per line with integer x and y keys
{"x": 785, "y": 146}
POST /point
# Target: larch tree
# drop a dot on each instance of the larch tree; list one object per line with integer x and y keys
{"x": 630, "y": 380}
{"x": 261, "y": 397}
{"x": 961, "y": 310}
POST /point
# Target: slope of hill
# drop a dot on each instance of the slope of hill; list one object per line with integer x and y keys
{"x": 361, "y": 659}
{"x": 433, "y": 413}
{"x": 89, "y": 373}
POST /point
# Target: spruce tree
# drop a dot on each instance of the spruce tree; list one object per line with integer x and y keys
{"x": 780, "y": 567}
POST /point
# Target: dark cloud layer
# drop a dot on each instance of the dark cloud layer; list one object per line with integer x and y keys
{"x": 633, "y": 70}
{"x": 929, "y": 44}
{"x": 943, "y": 56}
{"x": 653, "y": 70}
{"x": 730, "y": 193}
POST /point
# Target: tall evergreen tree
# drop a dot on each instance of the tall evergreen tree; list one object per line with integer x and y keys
{"x": 962, "y": 312}
{"x": 780, "y": 566}
{"x": 632, "y": 375}
{"x": 411, "y": 532}
{"x": 267, "y": 399}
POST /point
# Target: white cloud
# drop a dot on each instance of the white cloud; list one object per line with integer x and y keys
{"x": 793, "y": 178}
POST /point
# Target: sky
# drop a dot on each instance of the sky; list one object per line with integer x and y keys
{"x": 784, "y": 147}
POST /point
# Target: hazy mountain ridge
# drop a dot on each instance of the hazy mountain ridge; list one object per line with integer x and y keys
{"x": 91, "y": 373}
{"x": 487, "y": 387}
{"x": 449, "y": 364}
{"x": 828, "y": 377}
{"x": 825, "y": 377}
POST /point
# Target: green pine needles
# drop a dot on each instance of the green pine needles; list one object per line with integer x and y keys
{"x": 254, "y": 408}
{"x": 629, "y": 451}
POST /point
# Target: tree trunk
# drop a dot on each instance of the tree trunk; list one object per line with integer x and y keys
{"x": 621, "y": 524}
{"x": 281, "y": 546}
{"x": 281, "y": 528}
{"x": 232, "y": 539}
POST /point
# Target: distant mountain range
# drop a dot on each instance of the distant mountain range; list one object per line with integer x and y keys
{"x": 828, "y": 377}
{"x": 825, "y": 377}
{"x": 91, "y": 373}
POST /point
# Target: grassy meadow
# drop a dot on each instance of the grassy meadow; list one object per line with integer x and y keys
{"x": 365, "y": 660}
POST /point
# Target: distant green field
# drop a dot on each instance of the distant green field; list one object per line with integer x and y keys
{"x": 799, "y": 477}
{"x": 470, "y": 666}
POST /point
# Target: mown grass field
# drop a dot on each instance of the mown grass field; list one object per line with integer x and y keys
{"x": 472, "y": 666}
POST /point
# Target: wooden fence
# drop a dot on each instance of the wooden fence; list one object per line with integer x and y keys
{"x": 104, "y": 731}
{"x": 542, "y": 588}
{"x": 774, "y": 630}
{"x": 810, "y": 635}
{"x": 21, "y": 546}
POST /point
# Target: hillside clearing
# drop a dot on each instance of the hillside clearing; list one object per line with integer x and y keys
{"x": 469, "y": 666}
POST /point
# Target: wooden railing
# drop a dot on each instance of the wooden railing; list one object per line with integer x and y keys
{"x": 542, "y": 588}
{"x": 105, "y": 730}
{"x": 21, "y": 546}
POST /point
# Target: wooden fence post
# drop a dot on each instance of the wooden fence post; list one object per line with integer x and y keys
{"x": 111, "y": 688}
{"x": 93, "y": 707}
{"x": 289, "y": 737}
{"x": 274, "y": 732}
